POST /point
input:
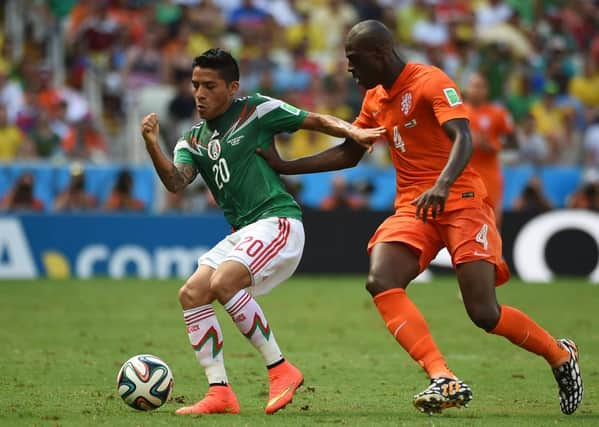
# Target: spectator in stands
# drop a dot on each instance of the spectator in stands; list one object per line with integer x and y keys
{"x": 247, "y": 17}
{"x": 430, "y": 31}
{"x": 181, "y": 110}
{"x": 59, "y": 121}
{"x": 48, "y": 96}
{"x": 532, "y": 147}
{"x": 45, "y": 141}
{"x": 20, "y": 197}
{"x": 591, "y": 140}
{"x": 121, "y": 198}
{"x": 84, "y": 141}
{"x": 585, "y": 87}
{"x": 587, "y": 196}
{"x": 28, "y": 113}
{"x": 520, "y": 100}
{"x": 74, "y": 198}
{"x": 532, "y": 200}
{"x": 493, "y": 12}
{"x": 552, "y": 120}
{"x": 11, "y": 138}
{"x": 407, "y": 17}
{"x": 11, "y": 94}
{"x": 342, "y": 197}
{"x": 97, "y": 31}
{"x": 144, "y": 65}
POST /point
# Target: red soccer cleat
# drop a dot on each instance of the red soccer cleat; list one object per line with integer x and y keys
{"x": 219, "y": 399}
{"x": 284, "y": 379}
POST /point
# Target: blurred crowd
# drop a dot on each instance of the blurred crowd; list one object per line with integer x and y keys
{"x": 76, "y": 76}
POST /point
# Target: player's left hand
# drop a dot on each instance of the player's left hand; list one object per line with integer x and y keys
{"x": 367, "y": 137}
{"x": 433, "y": 199}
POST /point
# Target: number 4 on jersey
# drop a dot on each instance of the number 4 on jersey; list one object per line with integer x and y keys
{"x": 398, "y": 140}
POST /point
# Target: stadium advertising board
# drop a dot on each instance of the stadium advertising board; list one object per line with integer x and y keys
{"x": 536, "y": 248}
{"x": 561, "y": 243}
{"x": 105, "y": 245}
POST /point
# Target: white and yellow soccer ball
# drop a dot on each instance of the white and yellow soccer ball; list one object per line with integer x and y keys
{"x": 145, "y": 382}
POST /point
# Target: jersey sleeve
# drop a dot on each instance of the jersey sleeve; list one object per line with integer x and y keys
{"x": 445, "y": 98}
{"x": 182, "y": 151}
{"x": 278, "y": 116}
{"x": 506, "y": 124}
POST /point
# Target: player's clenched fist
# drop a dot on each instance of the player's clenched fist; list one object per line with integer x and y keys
{"x": 150, "y": 128}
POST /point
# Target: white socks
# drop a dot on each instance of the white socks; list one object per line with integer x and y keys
{"x": 206, "y": 338}
{"x": 249, "y": 318}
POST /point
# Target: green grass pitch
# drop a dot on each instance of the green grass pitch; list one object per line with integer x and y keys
{"x": 62, "y": 342}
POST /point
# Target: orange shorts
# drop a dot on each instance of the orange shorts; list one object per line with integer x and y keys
{"x": 494, "y": 193}
{"x": 469, "y": 234}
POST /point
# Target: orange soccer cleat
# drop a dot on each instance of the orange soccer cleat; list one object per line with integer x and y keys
{"x": 284, "y": 379}
{"x": 219, "y": 399}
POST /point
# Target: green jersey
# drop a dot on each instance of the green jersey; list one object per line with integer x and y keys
{"x": 223, "y": 152}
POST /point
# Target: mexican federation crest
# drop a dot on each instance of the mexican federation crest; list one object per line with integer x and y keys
{"x": 406, "y": 103}
{"x": 214, "y": 149}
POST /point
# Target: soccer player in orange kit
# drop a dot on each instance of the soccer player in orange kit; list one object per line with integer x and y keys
{"x": 491, "y": 125}
{"x": 440, "y": 202}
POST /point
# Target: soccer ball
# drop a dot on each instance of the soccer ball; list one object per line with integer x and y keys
{"x": 145, "y": 382}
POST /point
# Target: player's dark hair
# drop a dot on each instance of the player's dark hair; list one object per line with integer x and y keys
{"x": 221, "y": 61}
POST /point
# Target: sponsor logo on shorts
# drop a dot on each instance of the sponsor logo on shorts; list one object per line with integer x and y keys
{"x": 468, "y": 195}
{"x": 477, "y": 253}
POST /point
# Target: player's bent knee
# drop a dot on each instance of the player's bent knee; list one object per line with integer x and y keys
{"x": 375, "y": 285}
{"x": 484, "y": 316}
{"x": 192, "y": 296}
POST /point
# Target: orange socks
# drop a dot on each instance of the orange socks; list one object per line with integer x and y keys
{"x": 409, "y": 328}
{"x": 526, "y": 333}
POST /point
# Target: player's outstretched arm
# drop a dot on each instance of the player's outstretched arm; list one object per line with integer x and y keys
{"x": 459, "y": 156}
{"x": 174, "y": 177}
{"x": 344, "y": 155}
{"x": 336, "y": 127}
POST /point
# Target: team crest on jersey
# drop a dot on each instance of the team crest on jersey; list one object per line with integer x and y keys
{"x": 406, "y": 103}
{"x": 214, "y": 149}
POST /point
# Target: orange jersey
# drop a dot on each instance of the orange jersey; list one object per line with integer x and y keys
{"x": 422, "y": 98}
{"x": 489, "y": 123}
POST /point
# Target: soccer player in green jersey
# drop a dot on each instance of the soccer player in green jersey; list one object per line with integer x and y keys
{"x": 268, "y": 238}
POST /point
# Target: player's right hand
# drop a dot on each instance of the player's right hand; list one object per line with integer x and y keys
{"x": 272, "y": 157}
{"x": 150, "y": 128}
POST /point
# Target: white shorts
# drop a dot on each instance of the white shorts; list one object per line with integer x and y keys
{"x": 270, "y": 249}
